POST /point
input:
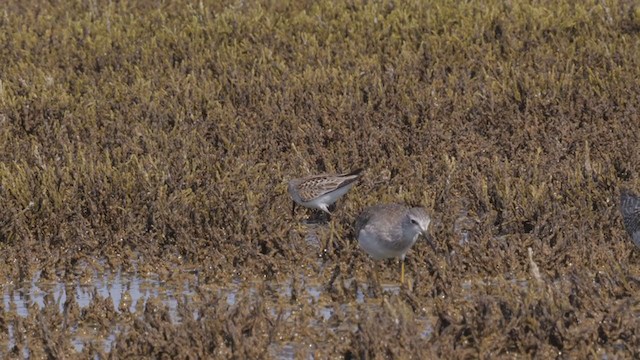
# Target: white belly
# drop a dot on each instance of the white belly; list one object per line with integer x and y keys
{"x": 326, "y": 199}
{"x": 379, "y": 248}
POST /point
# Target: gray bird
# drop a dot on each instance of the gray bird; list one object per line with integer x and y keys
{"x": 389, "y": 230}
{"x": 630, "y": 209}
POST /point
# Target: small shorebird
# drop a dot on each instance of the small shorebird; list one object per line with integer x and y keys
{"x": 320, "y": 191}
{"x": 389, "y": 230}
{"x": 630, "y": 209}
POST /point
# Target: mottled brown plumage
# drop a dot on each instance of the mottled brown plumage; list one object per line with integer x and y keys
{"x": 320, "y": 191}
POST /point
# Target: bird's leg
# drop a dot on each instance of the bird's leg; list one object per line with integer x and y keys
{"x": 317, "y": 216}
{"x": 402, "y": 271}
{"x": 331, "y": 208}
{"x": 377, "y": 288}
{"x": 325, "y": 210}
{"x": 293, "y": 209}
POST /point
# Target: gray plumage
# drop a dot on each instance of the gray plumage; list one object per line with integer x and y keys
{"x": 389, "y": 230}
{"x": 630, "y": 209}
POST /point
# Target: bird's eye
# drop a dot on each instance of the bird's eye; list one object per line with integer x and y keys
{"x": 414, "y": 221}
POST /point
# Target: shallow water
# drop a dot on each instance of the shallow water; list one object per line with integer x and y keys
{"x": 130, "y": 292}
{"x": 118, "y": 287}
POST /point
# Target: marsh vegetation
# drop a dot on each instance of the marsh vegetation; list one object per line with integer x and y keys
{"x": 156, "y": 138}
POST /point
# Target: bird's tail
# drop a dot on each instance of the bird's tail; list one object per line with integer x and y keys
{"x": 354, "y": 172}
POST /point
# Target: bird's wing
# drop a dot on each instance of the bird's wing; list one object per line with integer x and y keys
{"x": 363, "y": 220}
{"x": 372, "y": 220}
{"x": 630, "y": 208}
{"x": 316, "y": 186}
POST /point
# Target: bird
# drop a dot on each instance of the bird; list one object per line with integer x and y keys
{"x": 321, "y": 191}
{"x": 387, "y": 231}
{"x": 630, "y": 209}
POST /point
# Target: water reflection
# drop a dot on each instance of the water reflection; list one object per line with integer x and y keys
{"x": 130, "y": 292}
{"x": 121, "y": 288}
{"x": 136, "y": 289}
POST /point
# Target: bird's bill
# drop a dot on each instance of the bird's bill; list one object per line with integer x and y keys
{"x": 429, "y": 240}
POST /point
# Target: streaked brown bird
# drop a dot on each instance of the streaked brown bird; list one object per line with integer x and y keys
{"x": 320, "y": 191}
